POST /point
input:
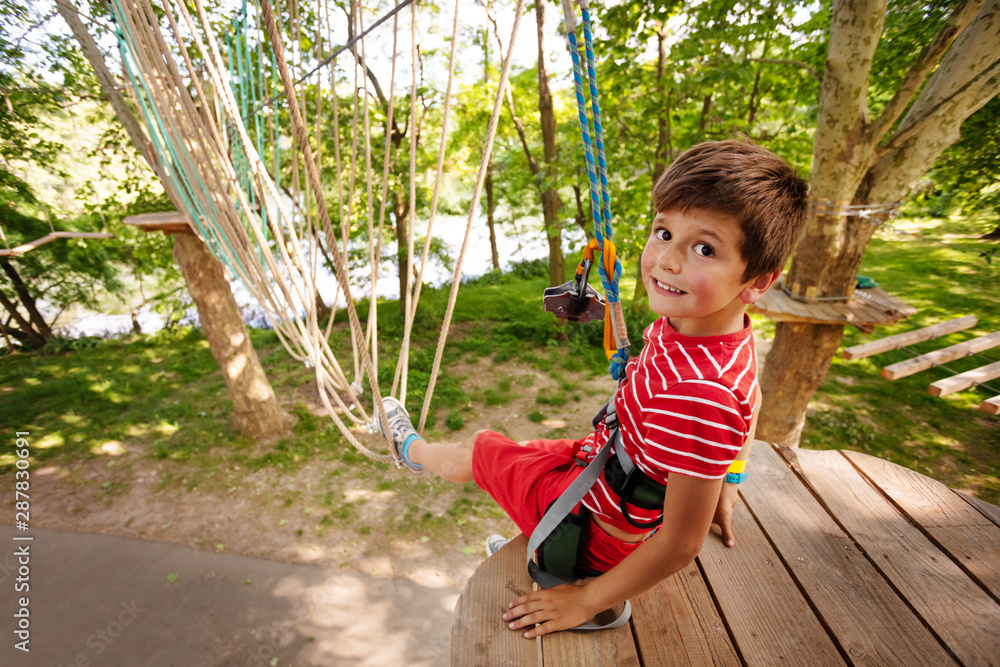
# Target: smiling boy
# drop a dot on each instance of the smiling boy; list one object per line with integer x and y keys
{"x": 728, "y": 216}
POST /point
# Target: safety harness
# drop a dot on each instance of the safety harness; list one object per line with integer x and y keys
{"x": 559, "y": 536}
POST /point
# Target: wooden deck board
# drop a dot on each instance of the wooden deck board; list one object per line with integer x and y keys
{"x": 590, "y": 649}
{"x": 959, "y": 612}
{"x": 845, "y": 560}
{"x": 676, "y": 624}
{"x": 991, "y": 512}
{"x": 481, "y": 634}
{"x": 872, "y": 625}
{"x": 769, "y": 620}
{"x": 972, "y": 540}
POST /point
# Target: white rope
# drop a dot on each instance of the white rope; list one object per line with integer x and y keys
{"x": 284, "y": 281}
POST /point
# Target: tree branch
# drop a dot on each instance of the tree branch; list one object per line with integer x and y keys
{"x": 914, "y": 127}
{"x": 518, "y": 125}
{"x": 925, "y": 63}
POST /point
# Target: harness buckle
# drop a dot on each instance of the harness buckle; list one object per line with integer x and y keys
{"x": 581, "y": 456}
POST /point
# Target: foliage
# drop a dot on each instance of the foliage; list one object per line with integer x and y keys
{"x": 965, "y": 177}
{"x": 56, "y": 173}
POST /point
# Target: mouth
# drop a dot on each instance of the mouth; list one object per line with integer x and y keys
{"x": 668, "y": 288}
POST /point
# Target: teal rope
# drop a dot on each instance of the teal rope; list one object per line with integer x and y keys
{"x": 176, "y": 161}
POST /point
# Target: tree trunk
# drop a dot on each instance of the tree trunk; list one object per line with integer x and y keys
{"x": 550, "y": 198}
{"x": 854, "y": 163}
{"x": 255, "y": 408}
{"x": 27, "y": 332}
{"x": 491, "y": 216}
{"x": 401, "y": 212}
{"x": 37, "y": 322}
{"x": 663, "y": 156}
{"x": 490, "y": 202}
{"x": 323, "y": 311}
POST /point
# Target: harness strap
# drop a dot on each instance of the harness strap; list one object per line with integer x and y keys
{"x": 563, "y": 505}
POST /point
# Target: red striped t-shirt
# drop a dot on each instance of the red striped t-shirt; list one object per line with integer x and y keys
{"x": 685, "y": 407}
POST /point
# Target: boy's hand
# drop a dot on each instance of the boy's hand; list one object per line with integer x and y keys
{"x": 724, "y": 512}
{"x": 559, "y": 608}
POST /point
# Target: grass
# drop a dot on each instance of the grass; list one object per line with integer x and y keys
{"x": 165, "y": 391}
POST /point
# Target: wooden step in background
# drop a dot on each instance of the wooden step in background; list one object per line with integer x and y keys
{"x": 958, "y": 382}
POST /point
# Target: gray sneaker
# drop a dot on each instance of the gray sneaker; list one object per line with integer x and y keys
{"x": 495, "y": 543}
{"x": 402, "y": 432}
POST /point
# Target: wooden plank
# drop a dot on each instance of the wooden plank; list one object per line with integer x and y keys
{"x": 167, "y": 222}
{"x": 971, "y": 539}
{"x": 964, "y": 380}
{"x": 942, "y": 356}
{"x": 957, "y": 610}
{"x": 991, "y": 405}
{"x": 881, "y": 345}
{"x": 991, "y": 512}
{"x": 82, "y": 235}
{"x": 869, "y": 621}
{"x": 589, "y": 649}
{"x": 479, "y": 637}
{"x": 676, "y": 623}
{"x": 768, "y": 618}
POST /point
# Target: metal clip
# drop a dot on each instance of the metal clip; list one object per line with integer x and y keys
{"x": 576, "y": 300}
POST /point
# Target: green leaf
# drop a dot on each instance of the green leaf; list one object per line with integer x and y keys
{"x": 172, "y": 577}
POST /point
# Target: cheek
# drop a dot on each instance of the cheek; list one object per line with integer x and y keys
{"x": 647, "y": 261}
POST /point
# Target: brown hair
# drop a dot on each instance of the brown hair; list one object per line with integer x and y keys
{"x": 751, "y": 184}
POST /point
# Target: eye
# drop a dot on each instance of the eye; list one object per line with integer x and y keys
{"x": 704, "y": 250}
{"x": 662, "y": 234}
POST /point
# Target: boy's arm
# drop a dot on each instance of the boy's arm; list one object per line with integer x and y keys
{"x": 730, "y": 492}
{"x": 687, "y": 516}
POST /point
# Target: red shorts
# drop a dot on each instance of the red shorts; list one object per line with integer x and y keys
{"x": 525, "y": 479}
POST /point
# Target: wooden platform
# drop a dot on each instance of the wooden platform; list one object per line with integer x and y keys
{"x": 866, "y": 309}
{"x": 841, "y": 558}
{"x": 168, "y": 222}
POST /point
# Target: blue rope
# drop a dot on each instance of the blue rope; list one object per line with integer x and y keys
{"x": 600, "y": 200}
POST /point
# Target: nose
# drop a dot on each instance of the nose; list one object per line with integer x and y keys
{"x": 669, "y": 258}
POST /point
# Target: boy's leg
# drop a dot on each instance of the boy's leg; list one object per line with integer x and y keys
{"x": 451, "y": 461}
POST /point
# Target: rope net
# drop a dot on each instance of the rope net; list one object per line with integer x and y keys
{"x": 211, "y": 126}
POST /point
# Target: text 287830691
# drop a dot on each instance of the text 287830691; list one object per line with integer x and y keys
{"x": 22, "y": 546}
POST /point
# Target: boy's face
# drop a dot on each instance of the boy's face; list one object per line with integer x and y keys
{"x": 693, "y": 272}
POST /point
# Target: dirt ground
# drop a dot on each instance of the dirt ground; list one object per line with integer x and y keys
{"x": 355, "y": 518}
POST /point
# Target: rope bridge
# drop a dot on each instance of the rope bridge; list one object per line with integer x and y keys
{"x": 210, "y": 126}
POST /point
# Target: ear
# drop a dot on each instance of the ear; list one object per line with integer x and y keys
{"x": 756, "y": 288}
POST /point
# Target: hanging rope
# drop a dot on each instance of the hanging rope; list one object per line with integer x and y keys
{"x": 616, "y": 345}
{"x": 213, "y": 167}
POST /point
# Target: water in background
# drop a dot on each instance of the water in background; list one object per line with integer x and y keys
{"x": 515, "y": 243}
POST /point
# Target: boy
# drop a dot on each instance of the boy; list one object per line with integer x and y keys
{"x": 728, "y": 215}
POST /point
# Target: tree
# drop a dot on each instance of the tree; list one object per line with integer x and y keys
{"x": 256, "y": 412}
{"x": 858, "y": 159}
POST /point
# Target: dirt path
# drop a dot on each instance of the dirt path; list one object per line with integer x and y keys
{"x": 356, "y": 518}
